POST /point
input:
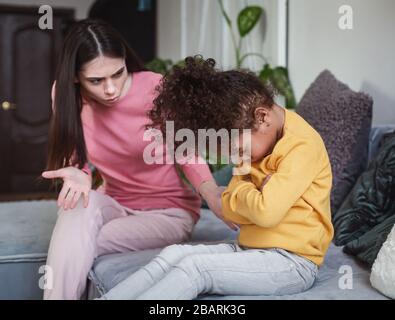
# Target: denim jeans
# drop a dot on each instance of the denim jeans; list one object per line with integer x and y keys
{"x": 185, "y": 271}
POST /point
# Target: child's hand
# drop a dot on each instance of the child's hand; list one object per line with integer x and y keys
{"x": 266, "y": 180}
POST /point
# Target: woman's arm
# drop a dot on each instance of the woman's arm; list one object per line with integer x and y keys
{"x": 201, "y": 178}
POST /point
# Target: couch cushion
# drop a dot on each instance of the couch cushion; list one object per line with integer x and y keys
{"x": 109, "y": 270}
{"x": 343, "y": 119}
{"x": 26, "y": 228}
{"x": 25, "y": 231}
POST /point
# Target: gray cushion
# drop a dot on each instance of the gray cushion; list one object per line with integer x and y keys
{"x": 109, "y": 270}
{"x": 343, "y": 119}
{"x": 25, "y": 231}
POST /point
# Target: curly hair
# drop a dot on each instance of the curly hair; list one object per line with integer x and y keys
{"x": 199, "y": 96}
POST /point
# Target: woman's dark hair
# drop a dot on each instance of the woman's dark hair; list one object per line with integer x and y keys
{"x": 198, "y": 96}
{"x": 86, "y": 40}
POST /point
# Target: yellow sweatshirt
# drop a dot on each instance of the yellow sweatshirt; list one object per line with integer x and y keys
{"x": 293, "y": 209}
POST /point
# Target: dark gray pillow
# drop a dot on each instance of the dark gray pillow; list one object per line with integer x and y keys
{"x": 343, "y": 118}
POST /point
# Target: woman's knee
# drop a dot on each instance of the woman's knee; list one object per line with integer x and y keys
{"x": 95, "y": 201}
{"x": 95, "y": 198}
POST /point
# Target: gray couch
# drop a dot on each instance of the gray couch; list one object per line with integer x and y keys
{"x": 26, "y": 227}
{"x": 110, "y": 269}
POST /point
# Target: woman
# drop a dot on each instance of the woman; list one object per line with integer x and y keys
{"x": 101, "y": 98}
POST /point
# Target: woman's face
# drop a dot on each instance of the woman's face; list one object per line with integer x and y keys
{"x": 103, "y": 79}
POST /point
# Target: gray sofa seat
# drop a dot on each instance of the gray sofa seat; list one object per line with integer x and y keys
{"x": 108, "y": 270}
{"x": 25, "y": 232}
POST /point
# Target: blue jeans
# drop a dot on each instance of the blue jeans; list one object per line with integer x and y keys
{"x": 181, "y": 272}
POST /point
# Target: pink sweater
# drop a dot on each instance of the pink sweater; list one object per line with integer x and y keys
{"x": 115, "y": 145}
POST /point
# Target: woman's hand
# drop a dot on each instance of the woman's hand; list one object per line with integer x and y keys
{"x": 75, "y": 183}
{"x": 212, "y": 194}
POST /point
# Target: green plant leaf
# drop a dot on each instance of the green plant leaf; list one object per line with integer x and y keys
{"x": 159, "y": 65}
{"x": 266, "y": 73}
{"x": 180, "y": 63}
{"x": 278, "y": 78}
{"x": 281, "y": 82}
{"x": 248, "y": 18}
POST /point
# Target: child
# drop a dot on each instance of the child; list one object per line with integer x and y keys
{"x": 282, "y": 206}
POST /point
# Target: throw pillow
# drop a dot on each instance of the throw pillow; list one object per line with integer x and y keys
{"x": 343, "y": 119}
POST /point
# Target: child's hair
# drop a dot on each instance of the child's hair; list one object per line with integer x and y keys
{"x": 86, "y": 40}
{"x": 199, "y": 96}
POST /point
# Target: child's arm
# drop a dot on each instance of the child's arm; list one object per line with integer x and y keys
{"x": 228, "y": 213}
{"x": 267, "y": 207}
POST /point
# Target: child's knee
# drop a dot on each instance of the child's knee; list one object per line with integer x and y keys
{"x": 191, "y": 265}
{"x": 174, "y": 253}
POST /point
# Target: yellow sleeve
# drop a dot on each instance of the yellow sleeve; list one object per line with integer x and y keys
{"x": 226, "y": 209}
{"x": 266, "y": 208}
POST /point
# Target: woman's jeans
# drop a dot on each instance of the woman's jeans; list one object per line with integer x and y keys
{"x": 186, "y": 271}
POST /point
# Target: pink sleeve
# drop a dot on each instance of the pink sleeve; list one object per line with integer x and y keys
{"x": 197, "y": 173}
{"x": 85, "y": 168}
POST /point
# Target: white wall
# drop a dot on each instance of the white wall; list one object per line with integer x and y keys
{"x": 81, "y": 6}
{"x": 189, "y": 27}
{"x": 168, "y": 29}
{"x": 363, "y": 58}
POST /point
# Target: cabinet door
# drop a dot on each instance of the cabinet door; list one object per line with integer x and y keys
{"x": 27, "y": 68}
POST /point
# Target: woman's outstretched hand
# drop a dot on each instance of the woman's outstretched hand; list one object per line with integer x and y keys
{"x": 75, "y": 183}
{"x": 212, "y": 194}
